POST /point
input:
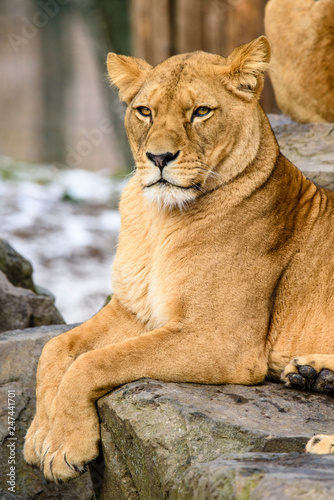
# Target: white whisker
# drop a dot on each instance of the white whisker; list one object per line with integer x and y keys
{"x": 128, "y": 176}
{"x": 197, "y": 187}
{"x": 209, "y": 172}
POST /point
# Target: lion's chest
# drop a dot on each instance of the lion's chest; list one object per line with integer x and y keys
{"x": 145, "y": 276}
{"x": 200, "y": 267}
{"x": 140, "y": 283}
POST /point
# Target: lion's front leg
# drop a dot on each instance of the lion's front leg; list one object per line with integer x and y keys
{"x": 112, "y": 324}
{"x": 52, "y": 365}
{"x": 171, "y": 353}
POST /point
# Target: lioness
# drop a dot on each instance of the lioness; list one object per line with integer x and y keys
{"x": 224, "y": 267}
{"x": 301, "y": 35}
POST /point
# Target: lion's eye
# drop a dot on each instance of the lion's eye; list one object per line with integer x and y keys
{"x": 202, "y": 111}
{"x": 144, "y": 111}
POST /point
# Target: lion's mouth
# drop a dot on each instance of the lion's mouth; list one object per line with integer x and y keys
{"x": 164, "y": 182}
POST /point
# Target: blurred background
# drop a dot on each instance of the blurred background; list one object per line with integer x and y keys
{"x": 54, "y": 96}
{"x": 63, "y": 150}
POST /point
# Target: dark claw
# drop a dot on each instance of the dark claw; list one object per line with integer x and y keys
{"x": 308, "y": 371}
{"x": 69, "y": 465}
{"x": 43, "y": 457}
{"x": 74, "y": 467}
{"x": 51, "y": 464}
{"x": 80, "y": 470}
{"x": 297, "y": 380}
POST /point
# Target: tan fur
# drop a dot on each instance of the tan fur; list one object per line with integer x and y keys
{"x": 301, "y": 34}
{"x": 222, "y": 274}
{"x": 321, "y": 444}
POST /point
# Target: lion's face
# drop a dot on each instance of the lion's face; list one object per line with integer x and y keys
{"x": 187, "y": 119}
{"x": 177, "y": 127}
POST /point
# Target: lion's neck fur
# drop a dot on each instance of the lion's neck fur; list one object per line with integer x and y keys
{"x": 255, "y": 162}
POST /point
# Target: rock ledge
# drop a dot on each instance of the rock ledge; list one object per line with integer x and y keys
{"x": 187, "y": 441}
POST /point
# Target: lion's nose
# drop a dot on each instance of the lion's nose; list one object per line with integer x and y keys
{"x": 162, "y": 160}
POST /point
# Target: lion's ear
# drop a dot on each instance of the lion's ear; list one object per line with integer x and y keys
{"x": 127, "y": 74}
{"x": 246, "y": 66}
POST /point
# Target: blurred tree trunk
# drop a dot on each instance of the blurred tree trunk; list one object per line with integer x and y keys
{"x": 55, "y": 76}
{"x": 162, "y": 28}
{"x": 109, "y": 22}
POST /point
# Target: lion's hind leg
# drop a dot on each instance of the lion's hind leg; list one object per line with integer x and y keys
{"x": 314, "y": 372}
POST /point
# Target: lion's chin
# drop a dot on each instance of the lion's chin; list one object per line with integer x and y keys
{"x": 169, "y": 197}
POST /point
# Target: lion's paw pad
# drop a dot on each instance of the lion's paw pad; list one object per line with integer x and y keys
{"x": 308, "y": 378}
{"x": 308, "y": 372}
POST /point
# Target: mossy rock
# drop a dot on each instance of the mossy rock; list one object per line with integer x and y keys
{"x": 17, "y": 269}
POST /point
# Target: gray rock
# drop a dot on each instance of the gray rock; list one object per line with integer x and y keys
{"x": 309, "y": 146}
{"x": 19, "y": 354}
{"x": 21, "y": 308}
{"x": 17, "y": 269}
{"x": 157, "y": 436}
{"x": 260, "y": 476}
{"x": 22, "y": 303}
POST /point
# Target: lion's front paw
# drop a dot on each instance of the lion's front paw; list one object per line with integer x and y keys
{"x": 67, "y": 450}
{"x": 29, "y": 452}
{"x": 304, "y": 372}
{"x": 320, "y": 444}
{"x": 34, "y": 442}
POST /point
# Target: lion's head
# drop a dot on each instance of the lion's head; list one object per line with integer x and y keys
{"x": 191, "y": 120}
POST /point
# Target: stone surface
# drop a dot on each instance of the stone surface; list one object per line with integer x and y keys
{"x": 265, "y": 476}
{"x": 309, "y": 146}
{"x": 22, "y": 303}
{"x": 19, "y": 354}
{"x": 157, "y": 436}
{"x": 17, "y": 269}
{"x": 21, "y": 308}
